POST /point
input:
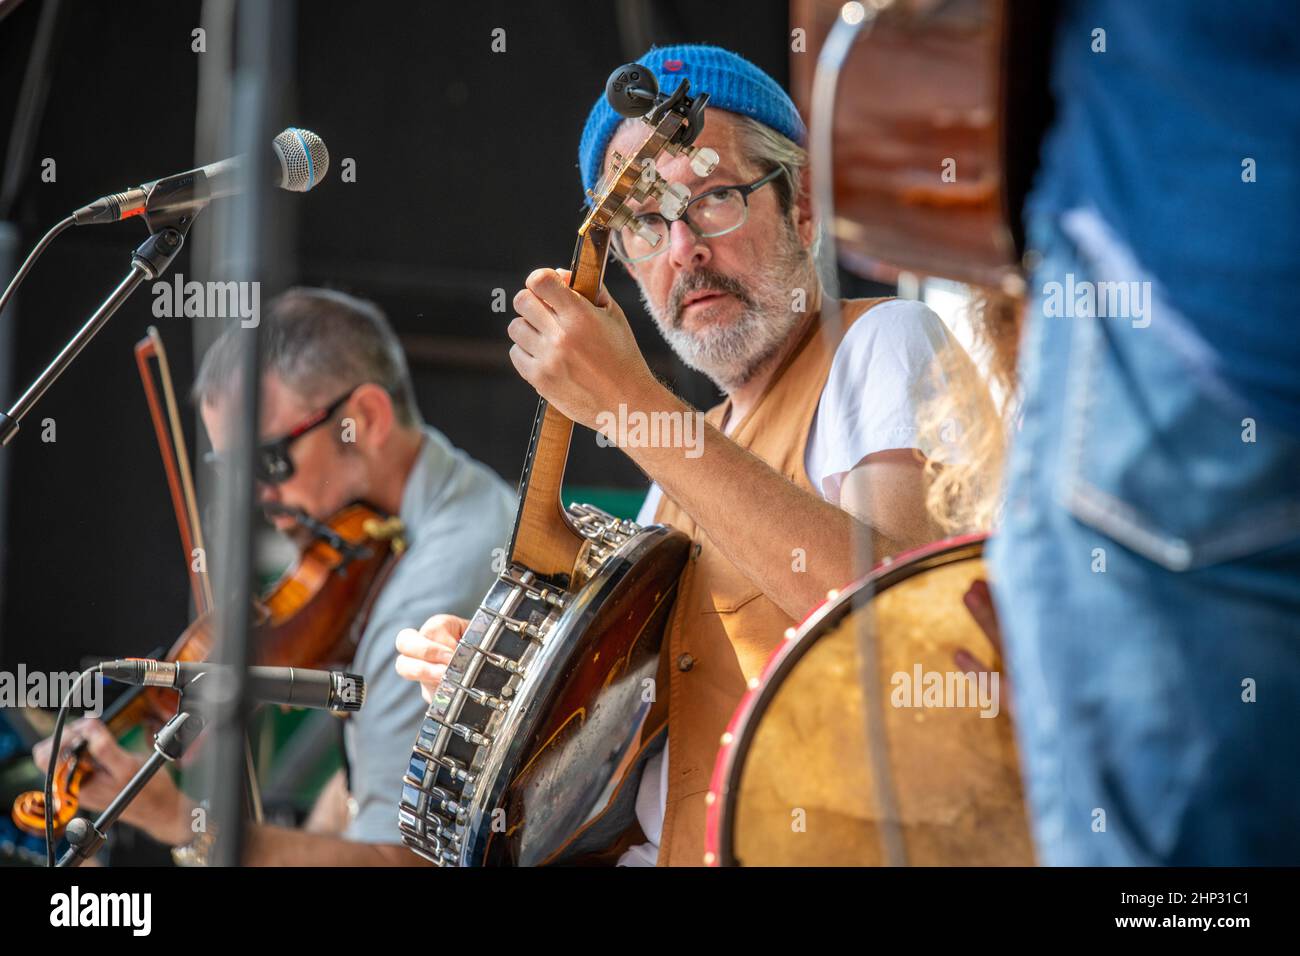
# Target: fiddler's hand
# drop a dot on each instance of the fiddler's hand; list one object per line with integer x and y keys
{"x": 160, "y": 809}
{"x": 582, "y": 358}
{"x": 423, "y": 655}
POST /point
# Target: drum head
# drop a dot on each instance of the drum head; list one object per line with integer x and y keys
{"x": 799, "y": 788}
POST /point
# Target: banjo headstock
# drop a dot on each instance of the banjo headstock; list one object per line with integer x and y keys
{"x": 545, "y": 539}
{"x": 671, "y": 125}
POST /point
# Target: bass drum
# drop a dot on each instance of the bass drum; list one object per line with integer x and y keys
{"x": 793, "y": 785}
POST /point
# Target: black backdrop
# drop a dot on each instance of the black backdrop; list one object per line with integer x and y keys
{"x": 466, "y": 179}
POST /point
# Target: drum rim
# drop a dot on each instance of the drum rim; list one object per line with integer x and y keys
{"x": 737, "y": 740}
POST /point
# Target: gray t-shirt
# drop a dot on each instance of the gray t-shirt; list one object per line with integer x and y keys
{"x": 456, "y": 511}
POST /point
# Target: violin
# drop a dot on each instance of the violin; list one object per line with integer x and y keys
{"x": 312, "y": 617}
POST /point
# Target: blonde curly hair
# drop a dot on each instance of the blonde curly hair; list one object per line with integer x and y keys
{"x": 967, "y": 421}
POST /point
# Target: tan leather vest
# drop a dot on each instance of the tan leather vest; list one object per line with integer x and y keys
{"x": 723, "y": 628}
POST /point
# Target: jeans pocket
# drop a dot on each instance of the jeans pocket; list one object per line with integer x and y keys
{"x": 1153, "y": 462}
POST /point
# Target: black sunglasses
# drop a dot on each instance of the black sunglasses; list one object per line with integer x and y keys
{"x": 272, "y": 463}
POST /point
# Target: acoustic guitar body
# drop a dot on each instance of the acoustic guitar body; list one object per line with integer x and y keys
{"x": 940, "y": 112}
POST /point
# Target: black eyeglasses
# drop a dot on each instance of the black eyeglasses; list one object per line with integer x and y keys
{"x": 710, "y": 214}
{"x": 272, "y": 462}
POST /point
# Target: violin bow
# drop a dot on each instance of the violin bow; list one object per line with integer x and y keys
{"x": 176, "y": 460}
{"x": 180, "y": 484}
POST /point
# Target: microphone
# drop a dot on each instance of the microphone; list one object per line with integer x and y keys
{"x": 290, "y": 686}
{"x": 299, "y": 162}
{"x": 631, "y": 90}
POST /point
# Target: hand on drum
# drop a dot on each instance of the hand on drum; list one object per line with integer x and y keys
{"x": 423, "y": 655}
{"x": 979, "y": 602}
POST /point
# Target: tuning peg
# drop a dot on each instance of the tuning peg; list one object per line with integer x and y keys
{"x": 703, "y": 160}
{"x": 649, "y": 175}
{"x": 673, "y": 200}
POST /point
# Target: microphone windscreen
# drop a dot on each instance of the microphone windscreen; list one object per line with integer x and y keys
{"x": 304, "y": 160}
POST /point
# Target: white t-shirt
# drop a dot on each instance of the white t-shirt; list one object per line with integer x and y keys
{"x": 882, "y": 374}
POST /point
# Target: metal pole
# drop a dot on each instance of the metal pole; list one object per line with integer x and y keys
{"x": 855, "y": 21}
{"x": 263, "y": 52}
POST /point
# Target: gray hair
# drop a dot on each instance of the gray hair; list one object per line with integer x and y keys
{"x": 768, "y": 149}
{"x": 319, "y": 342}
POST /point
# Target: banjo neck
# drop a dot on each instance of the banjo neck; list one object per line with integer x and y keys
{"x": 544, "y": 538}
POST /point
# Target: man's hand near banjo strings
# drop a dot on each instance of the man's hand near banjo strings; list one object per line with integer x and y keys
{"x": 423, "y": 655}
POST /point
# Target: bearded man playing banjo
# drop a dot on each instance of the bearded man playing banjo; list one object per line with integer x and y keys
{"x": 816, "y": 442}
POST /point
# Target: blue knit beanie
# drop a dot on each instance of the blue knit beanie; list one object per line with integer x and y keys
{"x": 732, "y": 82}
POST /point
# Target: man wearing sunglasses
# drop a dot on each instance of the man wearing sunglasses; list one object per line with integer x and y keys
{"x": 340, "y": 424}
{"x": 806, "y": 453}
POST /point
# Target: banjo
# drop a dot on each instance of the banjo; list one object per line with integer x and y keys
{"x": 540, "y": 708}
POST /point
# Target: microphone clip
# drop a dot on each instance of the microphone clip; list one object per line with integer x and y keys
{"x": 176, "y": 201}
{"x": 156, "y": 253}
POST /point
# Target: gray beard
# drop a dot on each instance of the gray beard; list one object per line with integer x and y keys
{"x": 732, "y": 355}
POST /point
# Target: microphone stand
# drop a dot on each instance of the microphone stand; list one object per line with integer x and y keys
{"x": 149, "y": 261}
{"x": 84, "y": 837}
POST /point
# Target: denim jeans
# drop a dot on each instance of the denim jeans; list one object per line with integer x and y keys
{"x": 1147, "y": 576}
